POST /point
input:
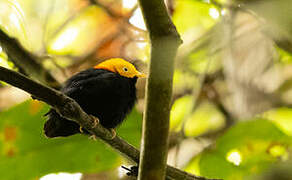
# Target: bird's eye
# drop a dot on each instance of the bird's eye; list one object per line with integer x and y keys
{"x": 125, "y": 69}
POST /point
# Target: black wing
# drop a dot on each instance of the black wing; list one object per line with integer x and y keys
{"x": 102, "y": 93}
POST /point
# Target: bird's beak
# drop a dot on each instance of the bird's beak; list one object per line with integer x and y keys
{"x": 141, "y": 75}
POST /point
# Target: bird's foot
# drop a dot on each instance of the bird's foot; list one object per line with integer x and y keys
{"x": 132, "y": 171}
{"x": 95, "y": 121}
{"x": 113, "y": 132}
{"x": 93, "y": 137}
{"x": 81, "y": 130}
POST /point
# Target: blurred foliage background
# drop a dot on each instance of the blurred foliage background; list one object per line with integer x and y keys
{"x": 231, "y": 116}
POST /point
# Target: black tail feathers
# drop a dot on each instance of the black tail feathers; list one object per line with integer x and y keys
{"x": 56, "y": 126}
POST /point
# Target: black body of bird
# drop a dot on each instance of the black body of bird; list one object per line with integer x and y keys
{"x": 104, "y": 94}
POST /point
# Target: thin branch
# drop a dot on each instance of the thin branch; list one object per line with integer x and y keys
{"x": 68, "y": 108}
{"x": 164, "y": 43}
{"x": 106, "y": 8}
{"x": 25, "y": 60}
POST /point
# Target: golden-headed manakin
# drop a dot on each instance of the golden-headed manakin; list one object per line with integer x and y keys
{"x": 106, "y": 91}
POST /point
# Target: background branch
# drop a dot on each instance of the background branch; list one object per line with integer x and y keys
{"x": 25, "y": 61}
{"x": 68, "y": 108}
{"x": 164, "y": 43}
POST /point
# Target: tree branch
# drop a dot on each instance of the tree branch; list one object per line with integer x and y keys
{"x": 164, "y": 43}
{"x": 68, "y": 108}
{"x": 107, "y": 9}
{"x": 25, "y": 61}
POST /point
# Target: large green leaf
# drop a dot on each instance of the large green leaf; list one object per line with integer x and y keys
{"x": 281, "y": 117}
{"x": 193, "y": 16}
{"x": 131, "y": 129}
{"x": 205, "y": 118}
{"x": 247, "y": 148}
{"x": 27, "y": 154}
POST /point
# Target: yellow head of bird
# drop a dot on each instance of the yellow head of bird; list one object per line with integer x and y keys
{"x": 121, "y": 66}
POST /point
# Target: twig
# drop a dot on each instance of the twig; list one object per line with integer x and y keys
{"x": 25, "y": 60}
{"x": 106, "y": 8}
{"x": 68, "y": 108}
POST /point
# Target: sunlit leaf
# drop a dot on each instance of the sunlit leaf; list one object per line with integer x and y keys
{"x": 4, "y": 62}
{"x": 12, "y": 20}
{"x": 184, "y": 81}
{"x": 201, "y": 62}
{"x": 193, "y": 16}
{"x": 204, "y": 119}
{"x": 131, "y": 128}
{"x": 282, "y": 117}
{"x": 247, "y": 148}
{"x": 179, "y": 111}
{"x": 285, "y": 57}
{"x": 83, "y": 33}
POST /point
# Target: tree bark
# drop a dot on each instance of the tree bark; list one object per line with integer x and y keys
{"x": 164, "y": 43}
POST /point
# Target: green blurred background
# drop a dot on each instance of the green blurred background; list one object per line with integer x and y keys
{"x": 231, "y": 116}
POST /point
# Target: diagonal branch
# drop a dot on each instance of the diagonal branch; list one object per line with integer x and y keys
{"x": 68, "y": 108}
{"x": 25, "y": 61}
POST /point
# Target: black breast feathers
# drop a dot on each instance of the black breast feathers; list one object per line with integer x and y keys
{"x": 101, "y": 93}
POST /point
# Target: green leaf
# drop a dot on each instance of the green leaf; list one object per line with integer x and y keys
{"x": 25, "y": 150}
{"x": 179, "y": 110}
{"x": 192, "y": 16}
{"x": 83, "y": 29}
{"x": 278, "y": 171}
{"x": 285, "y": 57}
{"x": 204, "y": 119}
{"x": 12, "y": 20}
{"x": 131, "y": 129}
{"x": 247, "y": 148}
{"x": 252, "y": 130}
{"x": 281, "y": 117}
{"x": 201, "y": 62}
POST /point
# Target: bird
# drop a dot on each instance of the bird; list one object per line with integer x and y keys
{"x": 107, "y": 92}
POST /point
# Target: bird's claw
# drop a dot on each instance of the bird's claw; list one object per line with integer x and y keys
{"x": 113, "y": 132}
{"x": 132, "y": 171}
{"x": 93, "y": 137}
{"x": 80, "y": 129}
{"x": 95, "y": 121}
